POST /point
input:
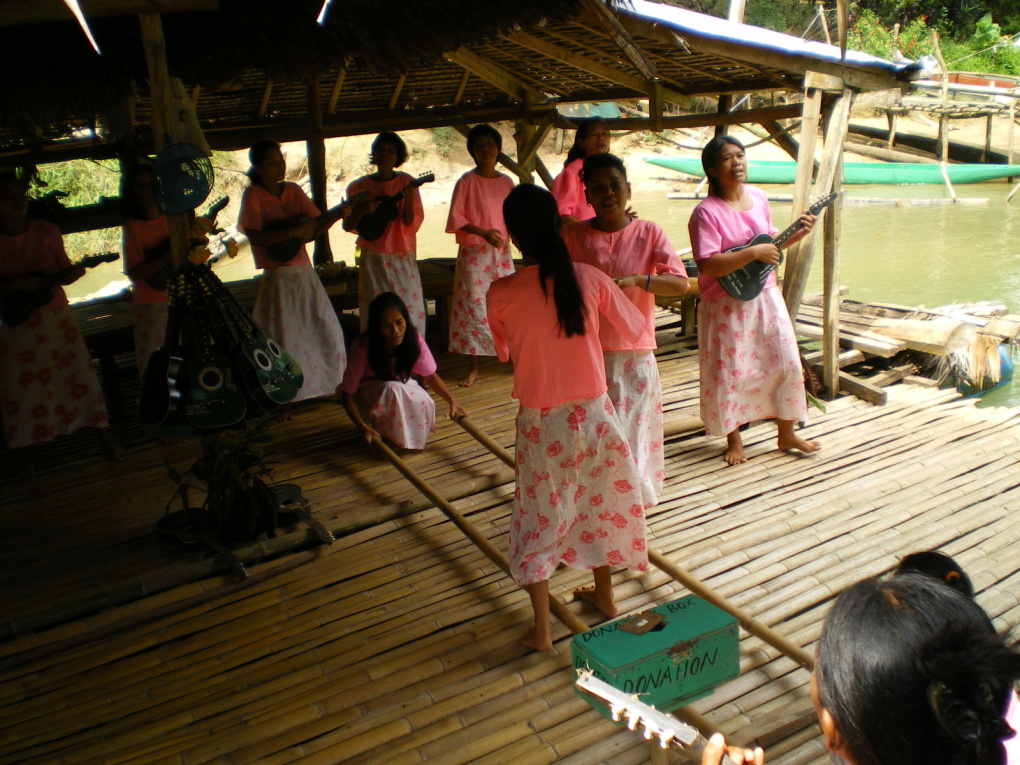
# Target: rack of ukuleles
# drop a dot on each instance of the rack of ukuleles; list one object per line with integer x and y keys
{"x": 216, "y": 366}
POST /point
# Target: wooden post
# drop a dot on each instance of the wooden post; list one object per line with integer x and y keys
{"x": 164, "y": 130}
{"x": 830, "y": 289}
{"x": 805, "y": 169}
{"x": 315, "y": 146}
{"x": 725, "y": 102}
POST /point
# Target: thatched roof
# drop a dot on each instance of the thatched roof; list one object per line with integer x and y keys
{"x": 396, "y": 64}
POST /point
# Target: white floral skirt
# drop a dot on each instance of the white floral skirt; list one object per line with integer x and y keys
{"x": 402, "y": 412}
{"x": 48, "y": 386}
{"x": 478, "y": 266}
{"x": 293, "y": 308}
{"x": 578, "y": 499}
{"x": 750, "y": 363}
{"x": 636, "y": 393}
{"x": 397, "y": 272}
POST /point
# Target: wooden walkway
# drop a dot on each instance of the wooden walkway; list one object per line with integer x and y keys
{"x": 399, "y": 642}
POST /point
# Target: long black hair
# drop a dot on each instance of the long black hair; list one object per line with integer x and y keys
{"x": 577, "y": 150}
{"x": 379, "y": 356}
{"x": 533, "y": 220}
{"x": 256, "y": 154}
{"x": 913, "y": 673}
{"x": 710, "y": 158}
{"x": 130, "y": 207}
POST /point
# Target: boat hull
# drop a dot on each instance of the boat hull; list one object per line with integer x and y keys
{"x": 856, "y": 173}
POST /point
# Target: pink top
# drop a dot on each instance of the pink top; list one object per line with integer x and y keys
{"x": 39, "y": 248}
{"x": 259, "y": 207}
{"x": 715, "y": 227}
{"x": 478, "y": 201}
{"x": 1012, "y": 716}
{"x": 139, "y": 237}
{"x": 569, "y": 192}
{"x": 397, "y": 237}
{"x": 550, "y": 368}
{"x": 359, "y": 371}
{"x": 641, "y": 247}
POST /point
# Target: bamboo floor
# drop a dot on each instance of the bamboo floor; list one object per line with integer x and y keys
{"x": 399, "y": 643}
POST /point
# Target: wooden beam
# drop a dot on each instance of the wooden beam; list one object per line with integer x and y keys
{"x": 833, "y": 222}
{"x": 315, "y": 147}
{"x": 805, "y": 170}
{"x": 266, "y": 93}
{"x": 656, "y": 97}
{"x": 13, "y": 12}
{"x": 493, "y": 74}
{"x": 396, "y": 90}
{"x": 338, "y": 84}
{"x": 461, "y": 87}
{"x": 584, "y": 63}
{"x": 611, "y": 24}
{"x": 723, "y": 106}
{"x": 530, "y": 148}
{"x": 781, "y": 137}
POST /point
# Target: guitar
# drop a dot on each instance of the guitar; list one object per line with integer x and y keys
{"x": 373, "y": 225}
{"x": 671, "y": 732}
{"x": 283, "y": 251}
{"x": 212, "y": 400}
{"x": 18, "y": 305}
{"x": 747, "y": 282}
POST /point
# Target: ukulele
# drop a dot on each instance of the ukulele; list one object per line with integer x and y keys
{"x": 212, "y": 400}
{"x": 670, "y": 732}
{"x": 18, "y": 305}
{"x": 283, "y": 251}
{"x": 160, "y": 396}
{"x": 747, "y": 282}
{"x": 373, "y": 225}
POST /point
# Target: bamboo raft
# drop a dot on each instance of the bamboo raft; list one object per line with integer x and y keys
{"x": 398, "y": 643}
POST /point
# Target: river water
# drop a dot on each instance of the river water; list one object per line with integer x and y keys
{"x": 914, "y": 255}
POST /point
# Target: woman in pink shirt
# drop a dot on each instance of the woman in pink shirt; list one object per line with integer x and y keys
{"x": 380, "y": 395}
{"x": 292, "y": 306}
{"x": 389, "y": 263}
{"x": 476, "y": 217}
{"x": 578, "y": 498}
{"x": 592, "y": 137}
{"x": 747, "y": 349}
{"x": 637, "y": 255}
{"x": 148, "y": 261}
{"x": 48, "y": 387}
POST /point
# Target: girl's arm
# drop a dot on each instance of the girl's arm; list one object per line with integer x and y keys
{"x": 352, "y": 411}
{"x": 304, "y": 230}
{"x": 490, "y": 235}
{"x": 667, "y": 285}
{"x": 436, "y": 382}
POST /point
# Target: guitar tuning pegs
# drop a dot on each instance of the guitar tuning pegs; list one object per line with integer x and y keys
{"x": 665, "y": 738}
{"x": 616, "y": 710}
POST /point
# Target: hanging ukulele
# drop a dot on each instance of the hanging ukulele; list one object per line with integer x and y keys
{"x": 18, "y": 305}
{"x": 160, "y": 395}
{"x": 373, "y": 225}
{"x": 747, "y": 282}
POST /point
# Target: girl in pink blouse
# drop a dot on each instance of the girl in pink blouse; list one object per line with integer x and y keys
{"x": 747, "y": 350}
{"x": 476, "y": 217}
{"x": 591, "y": 137}
{"x": 379, "y": 394}
{"x": 292, "y": 306}
{"x": 48, "y": 386}
{"x": 389, "y": 263}
{"x": 578, "y": 498}
{"x": 148, "y": 260}
{"x": 637, "y": 255}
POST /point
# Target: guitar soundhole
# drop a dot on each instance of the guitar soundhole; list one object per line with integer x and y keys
{"x": 263, "y": 360}
{"x": 211, "y": 379}
{"x": 274, "y": 348}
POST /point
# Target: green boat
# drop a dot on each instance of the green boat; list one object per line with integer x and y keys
{"x": 884, "y": 173}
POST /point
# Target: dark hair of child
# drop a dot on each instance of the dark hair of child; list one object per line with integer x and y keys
{"x": 256, "y": 154}
{"x": 380, "y": 354}
{"x": 533, "y": 220}
{"x": 710, "y": 158}
{"x": 599, "y": 161}
{"x": 130, "y": 207}
{"x": 940, "y": 566}
{"x": 480, "y": 130}
{"x": 396, "y": 142}
{"x": 577, "y": 150}
{"x": 913, "y": 673}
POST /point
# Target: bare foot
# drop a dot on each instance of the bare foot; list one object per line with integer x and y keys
{"x": 283, "y": 414}
{"x": 606, "y": 605}
{"x": 734, "y": 449}
{"x": 468, "y": 381}
{"x": 808, "y": 447}
{"x": 537, "y": 642}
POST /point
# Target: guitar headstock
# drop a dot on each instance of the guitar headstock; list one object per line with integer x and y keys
{"x": 423, "y": 178}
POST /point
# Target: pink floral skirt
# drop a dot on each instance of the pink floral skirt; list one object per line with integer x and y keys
{"x": 397, "y": 272}
{"x": 48, "y": 387}
{"x": 578, "y": 499}
{"x": 150, "y": 331}
{"x": 478, "y": 266}
{"x": 292, "y": 307}
{"x": 750, "y": 364}
{"x": 636, "y": 393}
{"x": 402, "y": 412}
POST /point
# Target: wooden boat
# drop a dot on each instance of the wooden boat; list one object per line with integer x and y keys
{"x": 879, "y": 173}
